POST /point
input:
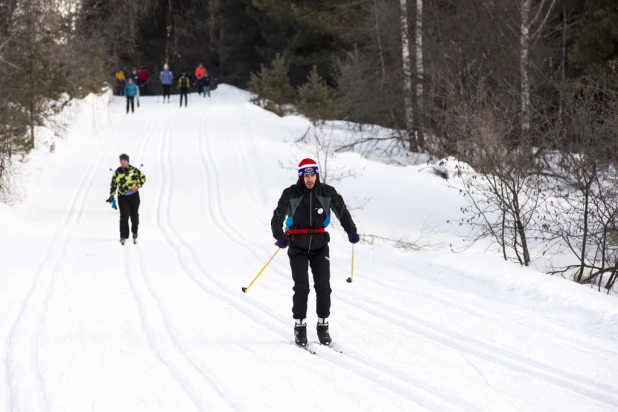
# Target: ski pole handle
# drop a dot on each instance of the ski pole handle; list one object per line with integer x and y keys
{"x": 245, "y": 289}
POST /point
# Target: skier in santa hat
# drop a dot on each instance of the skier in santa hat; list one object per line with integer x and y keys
{"x": 305, "y": 210}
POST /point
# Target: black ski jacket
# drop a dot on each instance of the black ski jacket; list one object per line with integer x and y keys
{"x": 301, "y": 208}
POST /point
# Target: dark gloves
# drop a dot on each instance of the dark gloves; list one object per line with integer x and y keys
{"x": 110, "y": 199}
{"x": 353, "y": 237}
{"x": 283, "y": 242}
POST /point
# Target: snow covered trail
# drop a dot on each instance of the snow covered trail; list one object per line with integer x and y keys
{"x": 88, "y": 324}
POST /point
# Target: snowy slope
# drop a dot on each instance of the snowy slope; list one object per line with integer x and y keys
{"x": 86, "y": 324}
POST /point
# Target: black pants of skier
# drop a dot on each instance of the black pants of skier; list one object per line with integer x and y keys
{"x": 167, "y": 91}
{"x": 183, "y": 93}
{"x": 144, "y": 89}
{"x": 200, "y": 87}
{"x": 119, "y": 87}
{"x": 129, "y": 208}
{"x": 131, "y": 103}
{"x": 300, "y": 261}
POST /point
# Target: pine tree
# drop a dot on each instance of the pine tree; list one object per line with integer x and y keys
{"x": 596, "y": 39}
{"x": 316, "y": 98}
{"x": 272, "y": 85}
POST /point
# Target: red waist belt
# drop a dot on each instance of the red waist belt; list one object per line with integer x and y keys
{"x": 305, "y": 231}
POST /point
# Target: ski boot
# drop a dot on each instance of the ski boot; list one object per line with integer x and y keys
{"x": 300, "y": 333}
{"x": 122, "y": 240}
{"x": 135, "y": 238}
{"x": 323, "y": 334}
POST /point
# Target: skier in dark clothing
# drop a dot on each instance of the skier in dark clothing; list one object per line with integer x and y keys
{"x": 305, "y": 210}
{"x": 206, "y": 81}
{"x": 143, "y": 80}
{"x": 183, "y": 86}
{"x": 127, "y": 181}
{"x": 135, "y": 76}
{"x": 200, "y": 73}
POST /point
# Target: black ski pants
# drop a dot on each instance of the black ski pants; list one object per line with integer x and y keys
{"x": 131, "y": 103}
{"x": 167, "y": 91}
{"x": 129, "y": 207}
{"x": 200, "y": 87}
{"x": 119, "y": 87}
{"x": 183, "y": 93}
{"x": 318, "y": 260}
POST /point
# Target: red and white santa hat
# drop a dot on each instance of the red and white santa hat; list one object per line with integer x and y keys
{"x": 307, "y": 167}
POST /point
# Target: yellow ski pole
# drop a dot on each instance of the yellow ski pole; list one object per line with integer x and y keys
{"x": 352, "y": 269}
{"x": 245, "y": 289}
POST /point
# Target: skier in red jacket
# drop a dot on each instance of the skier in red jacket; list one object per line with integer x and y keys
{"x": 143, "y": 80}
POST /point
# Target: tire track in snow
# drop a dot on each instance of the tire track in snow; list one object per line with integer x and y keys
{"x": 26, "y": 325}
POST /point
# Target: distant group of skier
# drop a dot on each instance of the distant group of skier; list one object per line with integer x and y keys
{"x": 299, "y": 222}
{"x": 136, "y": 83}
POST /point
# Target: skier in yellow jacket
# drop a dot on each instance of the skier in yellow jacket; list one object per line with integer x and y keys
{"x": 127, "y": 181}
{"x": 120, "y": 81}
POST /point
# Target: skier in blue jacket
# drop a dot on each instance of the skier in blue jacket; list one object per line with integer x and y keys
{"x": 130, "y": 91}
{"x": 167, "y": 77}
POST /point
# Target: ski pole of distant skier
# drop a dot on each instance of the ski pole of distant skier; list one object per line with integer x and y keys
{"x": 245, "y": 289}
{"x": 351, "y": 278}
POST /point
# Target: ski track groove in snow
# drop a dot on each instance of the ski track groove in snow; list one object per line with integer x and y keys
{"x": 163, "y": 209}
{"x": 173, "y": 238}
{"x": 477, "y": 348}
{"x": 486, "y": 352}
{"x": 370, "y": 371}
{"x": 408, "y": 342}
{"x": 515, "y": 363}
{"x": 151, "y": 313}
{"x": 157, "y": 332}
{"x": 33, "y": 310}
{"x": 414, "y": 393}
{"x": 491, "y": 304}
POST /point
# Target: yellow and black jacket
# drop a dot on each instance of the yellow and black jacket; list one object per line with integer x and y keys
{"x": 184, "y": 82}
{"x": 124, "y": 179}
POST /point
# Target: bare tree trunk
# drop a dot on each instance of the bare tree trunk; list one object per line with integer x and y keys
{"x": 420, "y": 72}
{"x": 221, "y": 72}
{"x": 529, "y": 20}
{"x": 379, "y": 40}
{"x": 32, "y": 80}
{"x": 564, "y": 44}
{"x": 564, "y": 60}
{"x": 213, "y": 8}
{"x": 611, "y": 280}
{"x": 407, "y": 72}
{"x": 524, "y": 50}
{"x": 586, "y": 219}
{"x": 521, "y": 230}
